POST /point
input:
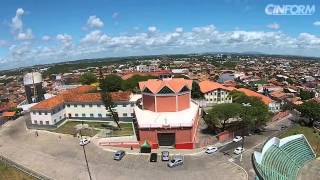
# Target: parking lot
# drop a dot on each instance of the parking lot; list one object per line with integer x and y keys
{"x": 61, "y": 157}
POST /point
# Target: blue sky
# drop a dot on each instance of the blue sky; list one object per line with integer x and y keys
{"x": 37, "y": 31}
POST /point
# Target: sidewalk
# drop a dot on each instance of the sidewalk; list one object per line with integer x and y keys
{"x": 136, "y": 151}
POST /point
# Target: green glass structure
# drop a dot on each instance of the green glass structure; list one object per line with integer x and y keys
{"x": 281, "y": 159}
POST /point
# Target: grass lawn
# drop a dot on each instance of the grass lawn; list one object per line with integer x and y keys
{"x": 10, "y": 173}
{"x": 313, "y": 138}
{"x": 95, "y": 127}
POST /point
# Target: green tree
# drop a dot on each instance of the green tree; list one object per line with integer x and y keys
{"x": 131, "y": 84}
{"x": 310, "y": 110}
{"x": 106, "y": 97}
{"x": 88, "y": 78}
{"x": 195, "y": 91}
{"x": 219, "y": 115}
{"x": 306, "y": 95}
{"x": 111, "y": 83}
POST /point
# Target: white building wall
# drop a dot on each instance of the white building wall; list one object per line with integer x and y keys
{"x": 212, "y": 97}
{"x": 47, "y": 118}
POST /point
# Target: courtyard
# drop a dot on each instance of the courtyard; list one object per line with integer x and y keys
{"x": 62, "y": 158}
{"x": 104, "y": 129}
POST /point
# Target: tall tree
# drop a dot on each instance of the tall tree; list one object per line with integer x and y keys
{"x": 219, "y": 115}
{"x": 310, "y": 110}
{"x": 195, "y": 91}
{"x": 88, "y": 78}
{"x": 107, "y": 99}
{"x": 111, "y": 83}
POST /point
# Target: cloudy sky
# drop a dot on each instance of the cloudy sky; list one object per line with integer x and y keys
{"x": 37, "y": 31}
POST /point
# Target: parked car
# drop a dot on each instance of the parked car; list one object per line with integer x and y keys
{"x": 165, "y": 156}
{"x": 176, "y": 161}
{"x": 237, "y": 139}
{"x": 153, "y": 157}
{"x": 119, "y": 155}
{"x": 239, "y": 150}
{"x": 84, "y": 141}
{"x": 211, "y": 150}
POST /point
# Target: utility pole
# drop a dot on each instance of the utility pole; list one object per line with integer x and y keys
{"x": 85, "y": 154}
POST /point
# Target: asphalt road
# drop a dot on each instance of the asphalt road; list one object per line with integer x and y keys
{"x": 62, "y": 158}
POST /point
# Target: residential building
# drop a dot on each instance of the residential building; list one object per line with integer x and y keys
{"x": 215, "y": 93}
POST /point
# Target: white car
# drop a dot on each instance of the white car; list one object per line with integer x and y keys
{"x": 239, "y": 150}
{"x": 211, "y": 150}
{"x": 84, "y": 141}
{"x": 237, "y": 139}
{"x": 176, "y": 161}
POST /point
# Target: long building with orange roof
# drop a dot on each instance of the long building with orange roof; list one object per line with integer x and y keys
{"x": 81, "y": 103}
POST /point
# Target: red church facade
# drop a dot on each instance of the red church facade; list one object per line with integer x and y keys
{"x": 167, "y": 116}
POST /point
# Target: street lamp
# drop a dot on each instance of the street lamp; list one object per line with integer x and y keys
{"x": 242, "y": 144}
{"x": 84, "y": 152}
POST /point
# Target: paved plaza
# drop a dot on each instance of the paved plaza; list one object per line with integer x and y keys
{"x": 60, "y": 157}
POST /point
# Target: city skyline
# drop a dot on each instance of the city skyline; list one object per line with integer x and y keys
{"x": 51, "y": 32}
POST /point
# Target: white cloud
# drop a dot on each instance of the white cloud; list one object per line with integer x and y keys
{"x": 115, "y": 15}
{"x": 65, "y": 39}
{"x": 316, "y": 23}
{"x": 200, "y": 39}
{"x": 46, "y": 38}
{"x": 152, "y": 29}
{"x": 25, "y": 35}
{"x": 94, "y": 22}
{"x": 16, "y": 21}
{"x": 274, "y": 26}
{"x": 179, "y": 29}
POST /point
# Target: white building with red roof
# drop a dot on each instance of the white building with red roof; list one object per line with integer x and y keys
{"x": 80, "y": 104}
{"x": 215, "y": 93}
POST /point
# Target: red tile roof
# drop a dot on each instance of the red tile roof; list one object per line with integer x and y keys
{"x": 207, "y": 86}
{"x": 175, "y": 84}
{"x": 8, "y": 114}
{"x": 49, "y": 103}
{"x": 248, "y": 92}
{"x": 79, "y": 94}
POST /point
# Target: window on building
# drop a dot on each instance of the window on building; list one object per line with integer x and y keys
{"x": 35, "y": 122}
{"x": 40, "y": 113}
{"x": 90, "y": 105}
{"x": 100, "y": 115}
{"x": 83, "y": 105}
{"x": 55, "y": 121}
{"x": 41, "y": 123}
{"x": 64, "y": 106}
{"x": 98, "y": 105}
{"x": 146, "y": 90}
{"x": 91, "y": 115}
{"x": 64, "y": 115}
{"x": 124, "y": 105}
{"x": 47, "y": 122}
{"x": 45, "y": 113}
{"x": 132, "y": 104}
{"x": 68, "y": 105}
{"x": 34, "y": 113}
{"x": 132, "y": 114}
{"x": 60, "y": 117}
{"x": 76, "y": 115}
{"x": 184, "y": 89}
{"x": 83, "y": 115}
{"x": 125, "y": 114}
{"x": 165, "y": 90}
{"x": 75, "y": 105}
